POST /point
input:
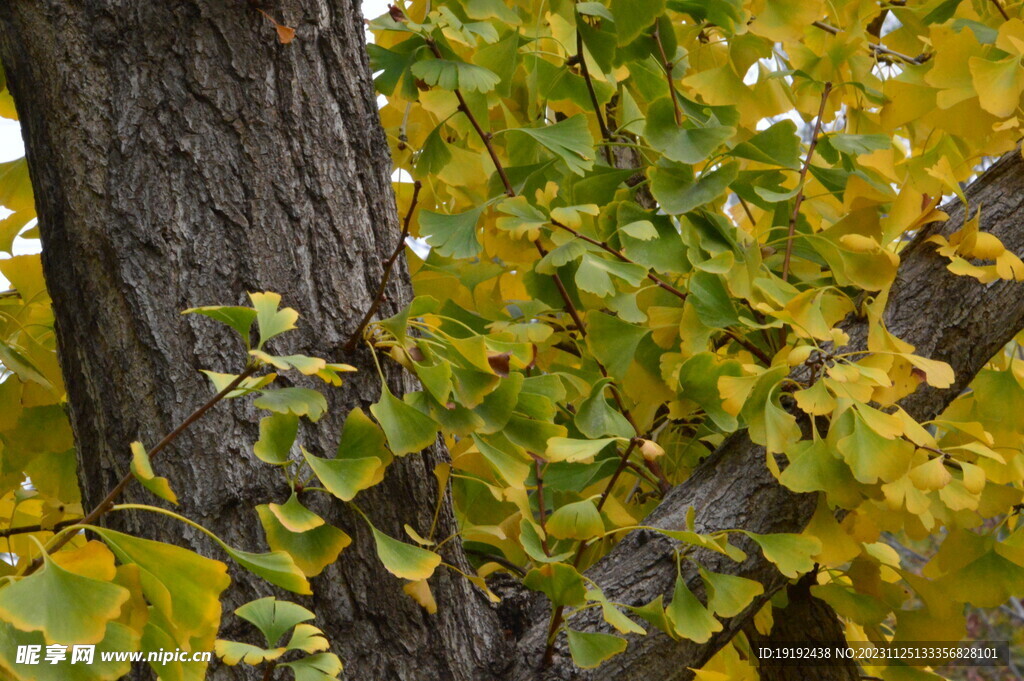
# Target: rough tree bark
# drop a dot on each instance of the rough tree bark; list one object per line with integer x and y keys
{"x": 181, "y": 156}
{"x": 805, "y": 619}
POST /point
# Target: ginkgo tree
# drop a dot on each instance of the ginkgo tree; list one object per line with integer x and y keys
{"x": 710, "y": 321}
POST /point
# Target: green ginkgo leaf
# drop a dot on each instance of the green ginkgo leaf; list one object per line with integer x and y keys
{"x": 273, "y": 617}
{"x": 595, "y": 273}
{"x": 404, "y": 560}
{"x": 142, "y": 469}
{"x": 455, "y": 75}
{"x": 453, "y": 236}
{"x": 590, "y": 649}
{"x": 277, "y": 567}
{"x": 729, "y": 595}
{"x": 320, "y": 667}
{"x": 597, "y": 418}
{"x": 776, "y": 145}
{"x": 182, "y": 585}
{"x": 238, "y": 318}
{"x": 407, "y": 429}
{"x": 613, "y": 341}
{"x": 294, "y": 516}
{"x": 569, "y": 139}
{"x": 312, "y": 550}
{"x": 345, "y": 478}
{"x": 277, "y": 435}
{"x": 508, "y": 460}
{"x": 298, "y": 401}
{"x": 685, "y": 144}
{"x": 633, "y": 17}
{"x": 690, "y": 619}
{"x": 580, "y": 520}
{"x": 66, "y": 607}
{"x": 792, "y": 553}
{"x": 561, "y": 583}
{"x": 270, "y": 320}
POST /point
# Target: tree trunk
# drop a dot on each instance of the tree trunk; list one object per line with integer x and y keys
{"x": 182, "y": 156}
{"x": 805, "y": 619}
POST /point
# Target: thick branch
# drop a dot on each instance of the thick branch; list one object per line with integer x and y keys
{"x": 947, "y": 317}
{"x": 805, "y": 618}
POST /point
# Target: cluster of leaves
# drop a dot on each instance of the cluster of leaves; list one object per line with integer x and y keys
{"x": 646, "y": 220}
{"x": 125, "y": 593}
{"x": 644, "y": 223}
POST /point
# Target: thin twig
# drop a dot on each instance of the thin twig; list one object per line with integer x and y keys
{"x": 875, "y": 47}
{"x": 585, "y": 72}
{"x": 803, "y": 177}
{"x": 750, "y": 347}
{"x": 668, "y": 74}
{"x": 541, "y": 510}
{"x": 603, "y": 245}
{"x": 26, "y": 529}
{"x": 569, "y": 306}
{"x": 500, "y": 560}
{"x": 557, "y": 614}
{"x": 510, "y": 191}
{"x": 388, "y": 265}
{"x": 485, "y": 137}
{"x": 108, "y": 502}
{"x": 1002, "y": 11}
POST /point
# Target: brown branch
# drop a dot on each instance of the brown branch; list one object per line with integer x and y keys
{"x": 750, "y": 347}
{"x": 510, "y": 191}
{"x": 621, "y": 256}
{"x": 108, "y": 502}
{"x": 803, "y": 177}
{"x": 876, "y": 48}
{"x": 585, "y": 72}
{"x": 999, "y": 6}
{"x": 570, "y": 307}
{"x": 668, "y": 74}
{"x": 388, "y": 265}
{"x": 485, "y": 137}
{"x": 26, "y": 529}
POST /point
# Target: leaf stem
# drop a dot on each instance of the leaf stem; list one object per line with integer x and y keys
{"x": 803, "y": 178}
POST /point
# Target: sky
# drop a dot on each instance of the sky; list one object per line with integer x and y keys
{"x": 12, "y": 147}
